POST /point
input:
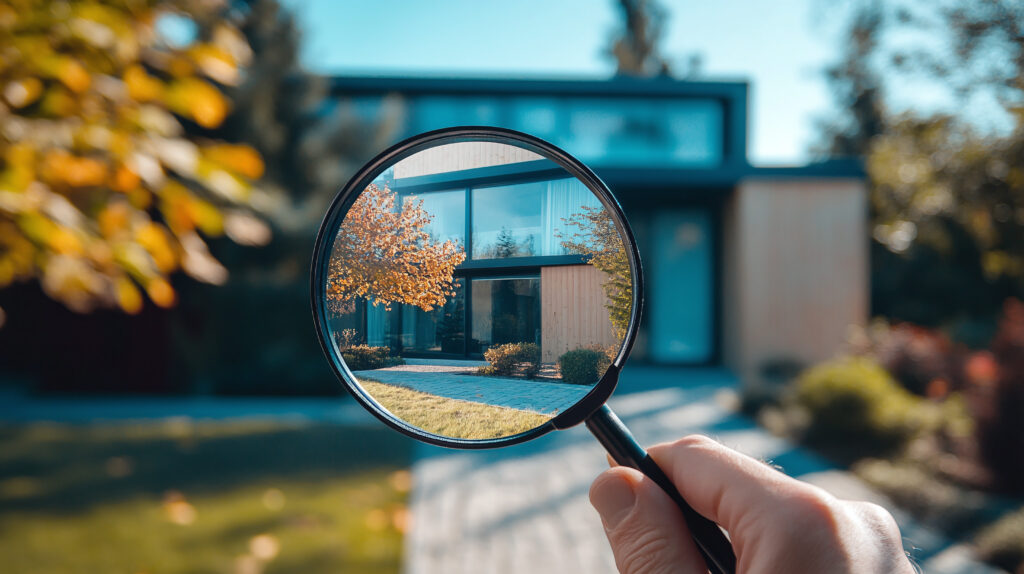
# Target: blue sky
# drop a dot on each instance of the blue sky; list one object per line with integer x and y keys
{"x": 780, "y": 47}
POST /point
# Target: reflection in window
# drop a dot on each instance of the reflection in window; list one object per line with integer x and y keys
{"x": 448, "y": 214}
{"x": 505, "y": 310}
{"x": 442, "y": 329}
{"x": 526, "y": 219}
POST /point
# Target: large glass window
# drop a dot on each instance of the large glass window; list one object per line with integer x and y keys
{"x": 442, "y": 329}
{"x": 625, "y": 131}
{"x": 505, "y": 310}
{"x": 526, "y": 219}
{"x": 447, "y": 210}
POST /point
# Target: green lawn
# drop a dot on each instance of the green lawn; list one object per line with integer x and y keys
{"x": 450, "y": 417}
{"x": 218, "y": 497}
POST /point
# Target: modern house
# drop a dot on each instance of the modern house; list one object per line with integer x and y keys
{"x": 745, "y": 267}
{"x": 509, "y": 210}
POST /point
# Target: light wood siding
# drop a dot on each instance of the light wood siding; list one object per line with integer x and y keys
{"x": 459, "y": 156}
{"x": 572, "y": 310}
{"x": 795, "y": 271}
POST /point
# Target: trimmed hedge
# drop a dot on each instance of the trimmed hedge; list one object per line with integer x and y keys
{"x": 583, "y": 366}
{"x": 365, "y": 357}
{"x": 509, "y": 358}
{"x": 856, "y": 401}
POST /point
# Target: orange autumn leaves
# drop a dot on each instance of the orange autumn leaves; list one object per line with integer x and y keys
{"x": 103, "y": 195}
{"x": 387, "y": 255}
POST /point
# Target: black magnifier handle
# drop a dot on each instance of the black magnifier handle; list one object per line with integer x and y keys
{"x": 620, "y": 444}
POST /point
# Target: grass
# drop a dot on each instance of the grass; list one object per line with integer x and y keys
{"x": 186, "y": 497}
{"x": 450, "y": 417}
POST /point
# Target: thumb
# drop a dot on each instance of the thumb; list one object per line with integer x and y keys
{"x": 647, "y": 532}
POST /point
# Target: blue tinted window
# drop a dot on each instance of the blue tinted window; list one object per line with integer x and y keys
{"x": 447, "y": 211}
{"x": 624, "y": 132}
{"x": 434, "y": 112}
{"x": 505, "y": 310}
{"x": 526, "y": 219}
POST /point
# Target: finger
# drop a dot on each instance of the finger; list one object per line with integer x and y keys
{"x": 611, "y": 461}
{"x": 645, "y": 528}
{"x": 726, "y": 486}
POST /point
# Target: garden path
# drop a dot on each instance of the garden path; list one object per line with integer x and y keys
{"x": 537, "y": 396}
{"x": 524, "y": 508}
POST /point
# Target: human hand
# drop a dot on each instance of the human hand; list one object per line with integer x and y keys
{"x": 776, "y": 523}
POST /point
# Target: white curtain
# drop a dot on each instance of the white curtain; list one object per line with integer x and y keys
{"x": 376, "y": 325}
{"x": 564, "y": 198}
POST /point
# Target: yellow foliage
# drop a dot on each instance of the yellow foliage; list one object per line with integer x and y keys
{"x": 141, "y": 86}
{"x": 386, "y": 255}
{"x": 92, "y": 206}
{"x": 161, "y": 292}
{"x": 240, "y": 158}
{"x": 198, "y": 100}
{"x": 128, "y": 296}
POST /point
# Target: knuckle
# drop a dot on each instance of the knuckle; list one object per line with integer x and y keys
{"x": 695, "y": 441}
{"x": 640, "y": 551}
{"x": 814, "y": 510}
{"x": 878, "y": 519}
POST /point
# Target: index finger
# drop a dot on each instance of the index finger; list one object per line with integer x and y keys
{"x": 725, "y": 485}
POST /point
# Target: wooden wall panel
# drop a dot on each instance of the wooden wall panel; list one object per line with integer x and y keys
{"x": 572, "y": 310}
{"x": 459, "y": 156}
{"x": 795, "y": 270}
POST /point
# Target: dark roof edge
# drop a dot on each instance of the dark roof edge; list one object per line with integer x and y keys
{"x": 616, "y": 85}
{"x": 845, "y": 167}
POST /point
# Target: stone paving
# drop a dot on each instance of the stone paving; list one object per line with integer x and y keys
{"x": 524, "y": 508}
{"x": 541, "y": 397}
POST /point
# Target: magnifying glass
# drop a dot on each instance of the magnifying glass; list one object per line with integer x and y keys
{"x": 477, "y": 287}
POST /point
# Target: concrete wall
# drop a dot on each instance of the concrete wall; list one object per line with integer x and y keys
{"x": 572, "y": 310}
{"x": 459, "y": 156}
{"x": 795, "y": 271}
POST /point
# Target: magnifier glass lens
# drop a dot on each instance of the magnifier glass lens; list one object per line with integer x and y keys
{"x": 475, "y": 290}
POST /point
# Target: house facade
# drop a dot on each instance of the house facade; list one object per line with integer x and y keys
{"x": 745, "y": 267}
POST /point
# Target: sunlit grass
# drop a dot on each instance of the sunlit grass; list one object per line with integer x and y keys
{"x": 213, "y": 497}
{"x": 451, "y": 417}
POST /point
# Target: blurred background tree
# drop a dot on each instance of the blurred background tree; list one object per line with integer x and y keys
{"x": 947, "y": 195}
{"x": 635, "y": 44}
{"x": 114, "y": 175}
{"x": 311, "y": 145}
{"x": 104, "y": 194}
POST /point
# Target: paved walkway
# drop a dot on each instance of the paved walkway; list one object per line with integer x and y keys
{"x": 524, "y": 508}
{"x": 541, "y": 397}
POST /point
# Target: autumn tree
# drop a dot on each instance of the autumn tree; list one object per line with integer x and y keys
{"x": 385, "y": 255}
{"x": 102, "y": 194}
{"x": 596, "y": 236}
{"x": 945, "y": 193}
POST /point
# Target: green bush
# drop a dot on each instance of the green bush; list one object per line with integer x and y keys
{"x": 583, "y": 366}
{"x": 365, "y": 357}
{"x": 854, "y": 403}
{"x": 509, "y": 358}
{"x": 1003, "y": 543}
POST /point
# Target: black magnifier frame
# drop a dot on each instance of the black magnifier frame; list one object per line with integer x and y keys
{"x": 591, "y": 409}
{"x": 572, "y": 416}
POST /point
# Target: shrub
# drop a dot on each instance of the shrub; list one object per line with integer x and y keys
{"x": 347, "y": 338}
{"x": 855, "y": 403}
{"x": 509, "y": 358}
{"x": 923, "y": 360}
{"x": 1003, "y": 543}
{"x": 583, "y": 366}
{"x": 365, "y": 357}
{"x": 999, "y": 407}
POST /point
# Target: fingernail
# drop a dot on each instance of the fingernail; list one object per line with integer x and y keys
{"x": 614, "y": 499}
